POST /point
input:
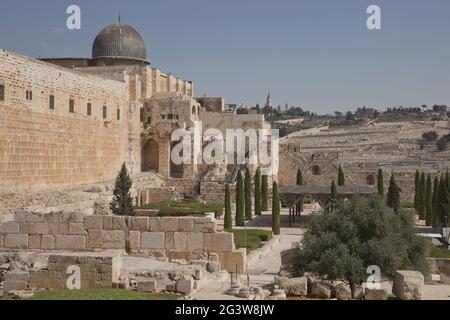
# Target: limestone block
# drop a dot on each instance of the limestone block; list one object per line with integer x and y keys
{"x": 9, "y": 227}
{"x": 195, "y": 241}
{"x": 33, "y": 217}
{"x": 15, "y": 281}
{"x": 107, "y": 223}
{"x": 232, "y": 261}
{"x": 106, "y": 239}
{"x": 219, "y": 242}
{"x": 180, "y": 241}
{"x": 58, "y": 228}
{"x": 16, "y": 241}
{"x": 185, "y": 285}
{"x": 185, "y": 224}
{"x": 139, "y": 224}
{"x": 207, "y": 227}
{"x": 357, "y": 291}
{"x": 119, "y": 223}
{"x": 375, "y": 294}
{"x": 47, "y": 242}
{"x": 169, "y": 224}
{"x": 152, "y": 240}
{"x": 146, "y": 286}
{"x": 27, "y": 227}
{"x": 42, "y": 228}
{"x": 408, "y": 285}
{"x": 169, "y": 241}
{"x": 39, "y": 280}
{"x": 154, "y": 224}
{"x": 93, "y": 222}
{"x": 293, "y": 287}
{"x": 343, "y": 291}
{"x": 321, "y": 290}
{"x": 70, "y": 242}
{"x": 20, "y": 216}
{"x": 1, "y": 240}
{"x": 34, "y": 242}
{"x": 135, "y": 240}
{"x": 76, "y": 229}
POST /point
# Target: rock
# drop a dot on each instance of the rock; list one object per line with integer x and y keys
{"x": 210, "y": 267}
{"x": 310, "y": 283}
{"x": 408, "y": 285}
{"x": 22, "y": 294}
{"x": 296, "y": 287}
{"x": 101, "y": 208}
{"x": 146, "y": 286}
{"x": 279, "y": 294}
{"x": 375, "y": 294}
{"x": 357, "y": 292}
{"x": 288, "y": 258}
{"x": 244, "y": 293}
{"x": 185, "y": 285}
{"x": 321, "y": 290}
{"x": 342, "y": 291}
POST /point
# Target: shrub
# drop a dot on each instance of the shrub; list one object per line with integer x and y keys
{"x": 430, "y": 136}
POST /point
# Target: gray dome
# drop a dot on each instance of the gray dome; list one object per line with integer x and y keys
{"x": 119, "y": 41}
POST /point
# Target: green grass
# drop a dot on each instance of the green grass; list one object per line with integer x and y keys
{"x": 184, "y": 208}
{"x": 407, "y": 205}
{"x": 96, "y": 294}
{"x": 252, "y": 240}
{"x": 438, "y": 252}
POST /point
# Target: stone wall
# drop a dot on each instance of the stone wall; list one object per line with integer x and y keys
{"x": 186, "y": 238}
{"x": 43, "y": 147}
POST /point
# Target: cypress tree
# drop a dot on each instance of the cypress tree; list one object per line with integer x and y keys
{"x": 429, "y": 202}
{"x": 422, "y": 197}
{"x": 258, "y": 192}
{"x": 299, "y": 183}
{"x": 435, "y": 216}
{"x": 265, "y": 193}
{"x": 248, "y": 195}
{"x": 228, "y": 223}
{"x": 240, "y": 200}
{"x": 417, "y": 192}
{"x": 334, "y": 195}
{"x": 443, "y": 202}
{"x": 341, "y": 177}
{"x": 380, "y": 182}
{"x": 275, "y": 210}
{"x": 122, "y": 203}
{"x": 393, "y": 197}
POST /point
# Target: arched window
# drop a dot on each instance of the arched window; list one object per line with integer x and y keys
{"x": 370, "y": 180}
{"x": 316, "y": 171}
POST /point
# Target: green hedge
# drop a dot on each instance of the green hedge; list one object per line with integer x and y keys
{"x": 184, "y": 208}
{"x": 252, "y": 239}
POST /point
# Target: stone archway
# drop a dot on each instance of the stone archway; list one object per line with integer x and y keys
{"x": 150, "y": 156}
{"x": 176, "y": 170}
{"x": 316, "y": 171}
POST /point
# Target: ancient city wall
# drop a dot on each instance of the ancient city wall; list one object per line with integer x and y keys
{"x": 186, "y": 238}
{"x": 43, "y": 144}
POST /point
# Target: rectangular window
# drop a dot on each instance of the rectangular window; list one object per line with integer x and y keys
{"x": 118, "y": 114}
{"x": 105, "y": 112}
{"x": 2, "y": 93}
{"x": 31, "y": 95}
{"x": 51, "y": 102}
{"x": 71, "y": 106}
{"x": 170, "y": 116}
{"x": 89, "y": 109}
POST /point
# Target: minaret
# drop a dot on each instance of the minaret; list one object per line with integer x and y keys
{"x": 269, "y": 101}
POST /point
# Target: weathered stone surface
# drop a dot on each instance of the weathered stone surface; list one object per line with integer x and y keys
{"x": 321, "y": 290}
{"x": 106, "y": 239}
{"x": 169, "y": 224}
{"x": 58, "y": 228}
{"x": 185, "y": 285}
{"x": 139, "y": 224}
{"x": 107, "y": 223}
{"x": 146, "y": 286}
{"x": 219, "y": 242}
{"x": 27, "y": 227}
{"x": 154, "y": 224}
{"x": 70, "y": 242}
{"x": 152, "y": 240}
{"x": 34, "y": 242}
{"x": 15, "y": 281}
{"x": 194, "y": 241}
{"x": 48, "y": 242}
{"x": 42, "y": 228}
{"x": 375, "y": 294}
{"x": 76, "y": 229}
{"x": 342, "y": 291}
{"x": 16, "y": 241}
{"x": 408, "y": 285}
{"x": 169, "y": 241}
{"x": 39, "y": 280}
{"x": 180, "y": 240}
{"x": 93, "y": 222}
{"x": 135, "y": 240}
{"x": 118, "y": 223}
{"x": 357, "y": 291}
{"x": 185, "y": 224}
{"x": 234, "y": 261}
{"x": 9, "y": 227}
{"x": 295, "y": 287}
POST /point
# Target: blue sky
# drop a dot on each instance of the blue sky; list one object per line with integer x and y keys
{"x": 317, "y": 54}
